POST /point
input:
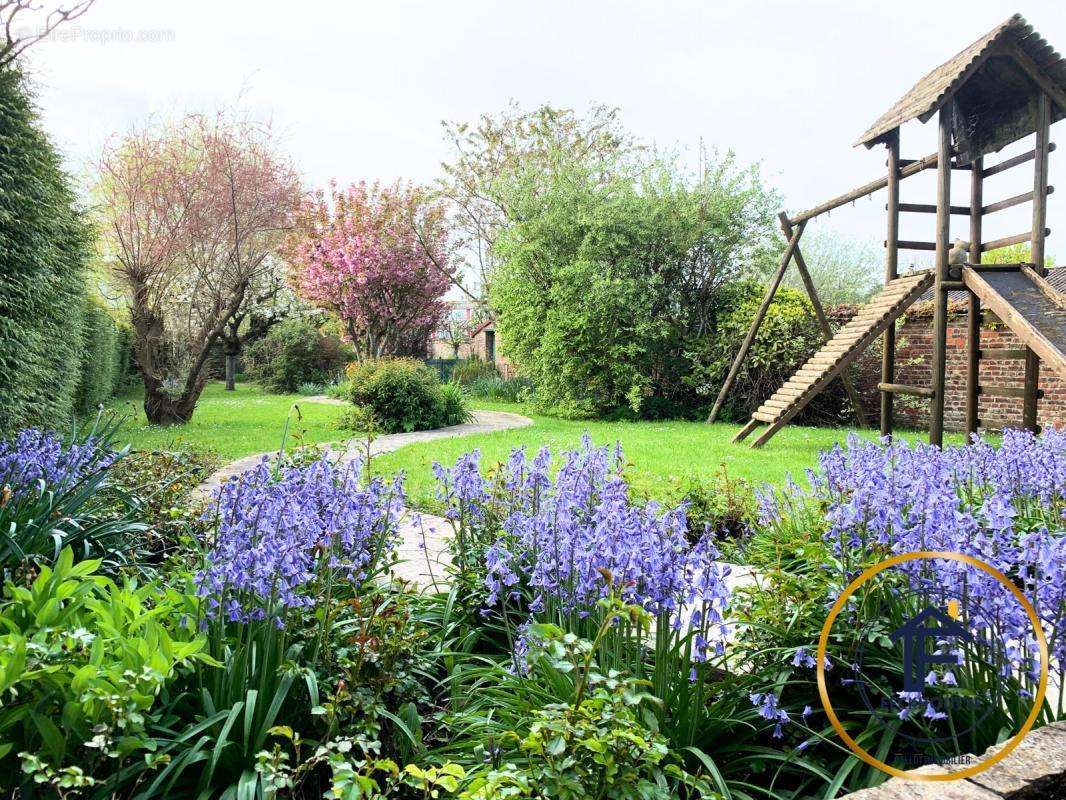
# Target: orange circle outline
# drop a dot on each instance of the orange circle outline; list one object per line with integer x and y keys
{"x": 823, "y": 644}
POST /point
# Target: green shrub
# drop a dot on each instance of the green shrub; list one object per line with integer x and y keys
{"x": 44, "y": 248}
{"x": 722, "y": 506}
{"x": 401, "y": 395}
{"x": 87, "y": 660}
{"x": 505, "y": 390}
{"x": 787, "y": 336}
{"x": 607, "y": 280}
{"x": 468, "y": 370}
{"x": 58, "y": 493}
{"x": 294, "y": 353}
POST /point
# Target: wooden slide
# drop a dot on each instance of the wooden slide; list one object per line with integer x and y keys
{"x": 847, "y": 345}
{"x": 1027, "y": 304}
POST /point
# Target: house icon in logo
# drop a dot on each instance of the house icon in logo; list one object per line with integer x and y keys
{"x": 914, "y": 633}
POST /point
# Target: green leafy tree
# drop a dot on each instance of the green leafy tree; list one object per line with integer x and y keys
{"x": 539, "y": 145}
{"x": 607, "y": 281}
{"x": 844, "y": 269}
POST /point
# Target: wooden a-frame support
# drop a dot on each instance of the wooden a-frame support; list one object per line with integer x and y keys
{"x": 792, "y": 233}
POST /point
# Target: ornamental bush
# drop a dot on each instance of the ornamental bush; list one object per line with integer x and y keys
{"x": 295, "y": 353}
{"x": 44, "y": 247}
{"x": 401, "y": 395}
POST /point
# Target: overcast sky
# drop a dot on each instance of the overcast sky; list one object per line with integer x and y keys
{"x": 358, "y": 89}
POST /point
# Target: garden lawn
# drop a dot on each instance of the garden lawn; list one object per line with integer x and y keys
{"x": 234, "y": 424}
{"x": 660, "y": 454}
{"x": 251, "y": 420}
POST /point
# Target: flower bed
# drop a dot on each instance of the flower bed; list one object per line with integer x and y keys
{"x": 588, "y": 644}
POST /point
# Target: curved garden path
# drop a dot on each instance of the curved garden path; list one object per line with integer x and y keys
{"x": 422, "y": 550}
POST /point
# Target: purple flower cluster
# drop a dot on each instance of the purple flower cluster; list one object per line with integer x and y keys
{"x": 33, "y": 459}
{"x": 279, "y": 535}
{"x": 1004, "y": 505}
{"x": 558, "y": 541}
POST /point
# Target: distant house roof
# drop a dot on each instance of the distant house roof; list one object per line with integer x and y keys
{"x": 489, "y": 323}
{"x": 999, "y": 97}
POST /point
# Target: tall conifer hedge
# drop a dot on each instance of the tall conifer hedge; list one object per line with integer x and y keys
{"x": 44, "y": 247}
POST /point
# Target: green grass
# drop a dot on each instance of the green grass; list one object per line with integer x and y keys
{"x": 233, "y": 424}
{"x": 660, "y": 453}
{"x": 250, "y": 420}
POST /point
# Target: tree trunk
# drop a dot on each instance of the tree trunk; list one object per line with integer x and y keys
{"x": 161, "y": 409}
{"x": 231, "y": 371}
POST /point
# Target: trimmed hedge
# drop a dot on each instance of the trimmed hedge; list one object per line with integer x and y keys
{"x": 105, "y": 358}
{"x": 44, "y": 247}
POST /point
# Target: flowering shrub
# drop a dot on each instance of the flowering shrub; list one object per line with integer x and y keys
{"x": 279, "y": 536}
{"x": 36, "y": 460}
{"x": 1003, "y": 505}
{"x": 55, "y": 494}
{"x": 531, "y": 548}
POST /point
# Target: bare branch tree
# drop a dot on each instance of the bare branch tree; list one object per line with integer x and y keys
{"x": 16, "y": 41}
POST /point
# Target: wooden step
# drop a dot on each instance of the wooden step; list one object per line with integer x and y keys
{"x": 845, "y": 346}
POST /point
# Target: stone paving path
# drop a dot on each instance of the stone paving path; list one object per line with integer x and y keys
{"x": 484, "y": 422}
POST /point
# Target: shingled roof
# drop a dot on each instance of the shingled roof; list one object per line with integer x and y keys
{"x": 1056, "y": 277}
{"x": 934, "y": 90}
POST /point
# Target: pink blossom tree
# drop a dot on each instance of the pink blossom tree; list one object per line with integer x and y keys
{"x": 190, "y": 217}
{"x": 379, "y": 258}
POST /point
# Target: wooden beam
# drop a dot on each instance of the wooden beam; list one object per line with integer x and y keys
{"x": 1003, "y": 166}
{"x": 900, "y": 388}
{"x": 929, "y": 208}
{"x": 905, "y": 244}
{"x": 940, "y": 295}
{"x": 1006, "y": 391}
{"x": 1040, "y": 166}
{"x": 1000, "y": 423}
{"x": 771, "y": 290}
{"x": 1051, "y": 90}
{"x": 1030, "y": 390}
{"x": 973, "y": 302}
{"x": 888, "y": 343}
{"x": 1018, "y": 238}
{"x": 908, "y": 169}
{"x": 1046, "y": 289}
{"x": 743, "y": 433}
{"x": 1039, "y": 233}
{"x": 820, "y": 317}
{"x": 1010, "y": 202}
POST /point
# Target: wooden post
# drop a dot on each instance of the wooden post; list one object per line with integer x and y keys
{"x": 940, "y": 294}
{"x": 1040, "y": 170}
{"x": 820, "y": 317}
{"x": 771, "y": 290}
{"x": 888, "y": 355}
{"x": 973, "y": 308}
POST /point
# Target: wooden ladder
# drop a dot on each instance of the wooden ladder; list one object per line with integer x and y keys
{"x": 846, "y": 345}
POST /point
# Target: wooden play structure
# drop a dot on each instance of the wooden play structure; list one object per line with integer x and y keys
{"x": 1007, "y": 85}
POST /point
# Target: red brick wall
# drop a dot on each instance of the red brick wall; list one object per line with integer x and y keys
{"x": 914, "y": 367}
